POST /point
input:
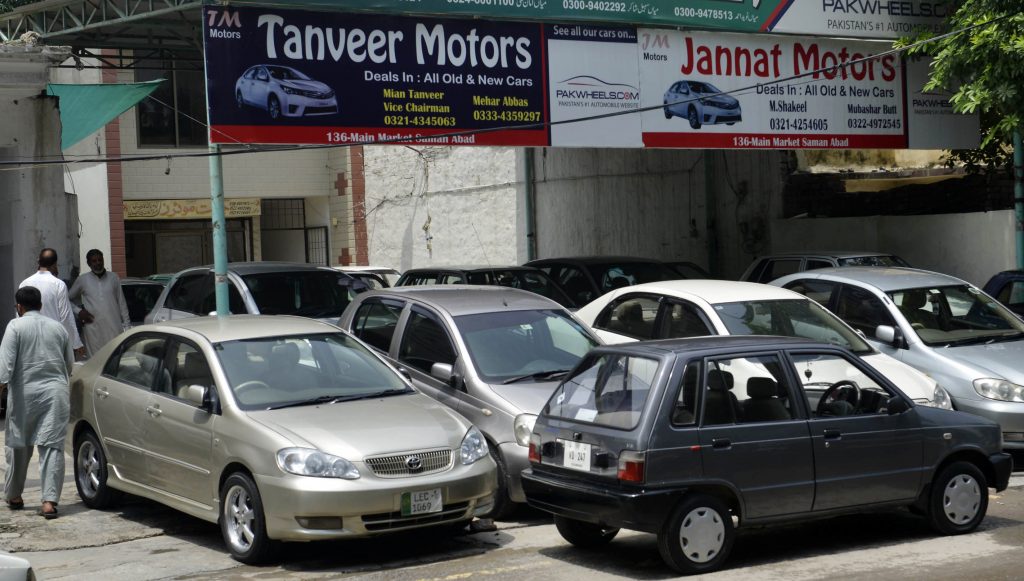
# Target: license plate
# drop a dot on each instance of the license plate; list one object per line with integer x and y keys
{"x": 576, "y": 455}
{"x": 421, "y": 502}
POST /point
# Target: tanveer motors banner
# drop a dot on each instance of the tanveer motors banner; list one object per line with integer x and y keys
{"x": 281, "y": 76}
{"x": 888, "y": 19}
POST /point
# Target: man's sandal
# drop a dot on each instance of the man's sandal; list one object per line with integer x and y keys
{"x": 15, "y": 504}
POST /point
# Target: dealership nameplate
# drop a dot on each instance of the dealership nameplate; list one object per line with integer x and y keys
{"x": 186, "y": 209}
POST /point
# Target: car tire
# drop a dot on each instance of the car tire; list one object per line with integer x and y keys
{"x": 274, "y": 107}
{"x": 243, "y": 522}
{"x": 694, "y": 119}
{"x": 958, "y": 500}
{"x": 668, "y": 113}
{"x": 584, "y": 534}
{"x": 698, "y": 537}
{"x": 503, "y": 505}
{"x": 91, "y": 473}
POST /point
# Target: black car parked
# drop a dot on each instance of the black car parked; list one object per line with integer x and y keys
{"x": 685, "y": 437}
{"x": 584, "y": 278}
{"x": 521, "y": 277}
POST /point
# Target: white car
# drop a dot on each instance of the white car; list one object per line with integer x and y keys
{"x": 693, "y": 308}
{"x": 701, "y": 104}
{"x": 284, "y": 91}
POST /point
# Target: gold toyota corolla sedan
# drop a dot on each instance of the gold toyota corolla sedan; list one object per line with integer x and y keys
{"x": 277, "y": 428}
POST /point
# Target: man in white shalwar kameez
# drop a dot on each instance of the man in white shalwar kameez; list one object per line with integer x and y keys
{"x": 36, "y": 360}
{"x": 55, "y": 296}
{"x": 104, "y": 312}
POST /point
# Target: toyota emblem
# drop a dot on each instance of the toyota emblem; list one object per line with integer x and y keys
{"x": 413, "y": 463}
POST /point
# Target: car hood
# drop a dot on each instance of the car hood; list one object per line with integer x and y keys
{"x": 306, "y": 85}
{"x": 524, "y": 396}
{"x": 998, "y": 360}
{"x": 911, "y": 381}
{"x": 356, "y": 429}
{"x": 727, "y": 99}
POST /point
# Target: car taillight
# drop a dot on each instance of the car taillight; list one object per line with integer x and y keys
{"x": 631, "y": 466}
{"x": 535, "y": 448}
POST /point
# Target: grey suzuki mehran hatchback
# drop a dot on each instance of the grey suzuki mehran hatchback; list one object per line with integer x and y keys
{"x": 690, "y": 438}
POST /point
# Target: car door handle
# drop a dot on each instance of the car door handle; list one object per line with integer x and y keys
{"x": 832, "y": 434}
{"x": 102, "y": 393}
{"x": 154, "y": 411}
{"x": 721, "y": 443}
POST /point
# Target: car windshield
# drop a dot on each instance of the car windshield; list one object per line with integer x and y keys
{"x": 609, "y": 390}
{"x": 704, "y": 87}
{"x": 272, "y": 372}
{"x": 790, "y": 318}
{"x": 286, "y": 74}
{"x": 512, "y": 346}
{"x": 373, "y": 281}
{"x": 956, "y": 315}
{"x": 873, "y": 261}
{"x": 618, "y": 275}
{"x": 307, "y": 293}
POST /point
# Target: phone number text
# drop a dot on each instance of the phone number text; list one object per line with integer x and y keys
{"x": 418, "y": 121}
{"x": 511, "y": 116}
{"x": 798, "y": 124}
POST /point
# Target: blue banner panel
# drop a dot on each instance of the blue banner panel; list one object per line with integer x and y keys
{"x": 285, "y": 76}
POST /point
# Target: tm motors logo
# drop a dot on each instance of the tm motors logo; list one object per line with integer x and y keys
{"x": 219, "y": 20}
{"x": 590, "y": 91}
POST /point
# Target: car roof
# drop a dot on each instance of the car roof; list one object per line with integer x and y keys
{"x": 261, "y": 267}
{"x": 374, "y": 269}
{"x": 710, "y": 290}
{"x": 468, "y": 269}
{"x": 593, "y": 259}
{"x": 133, "y": 280}
{"x": 461, "y": 299}
{"x": 885, "y": 279}
{"x": 235, "y": 327}
{"x": 831, "y": 253}
{"x": 711, "y": 343}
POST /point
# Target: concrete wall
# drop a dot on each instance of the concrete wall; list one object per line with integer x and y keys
{"x": 428, "y": 206}
{"x": 969, "y": 246}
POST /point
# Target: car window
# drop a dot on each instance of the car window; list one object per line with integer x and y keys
{"x": 306, "y": 293}
{"x": 813, "y": 264}
{"x": 450, "y": 278}
{"x": 261, "y": 75}
{"x": 862, "y": 310}
{"x": 375, "y": 322}
{"x": 236, "y": 306}
{"x": 425, "y": 342}
{"x": 816, "y": 290}
{"x": 271, "y": 372}
{"x": 139, "y": 362}
{"x": 535, "y": 281}
{"x": 612, "y": 276}
{"x": 1012, "y": 294}
{"x": 684, "y": 412}
{"x": 748, "y": 389}
{"x": 632, "y": 316}
{"x": 789, "y": 318}
{"x": 957, "y": 315}
{"x": 187, "y": 293}
{"x": 834, "y": 386}
{"x": 575, "y": 284}
{"x": 776, "y": 268}
{"x": 683, "y": 320}
{"x": 189, "y": 368}
{"x": 609, "y": 390}
{"x": 140, "y": 299}
{"x": 507, "y": 345}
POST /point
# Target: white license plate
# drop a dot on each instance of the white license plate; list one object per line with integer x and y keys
{"x": 421, "y": 502}
{"x": 576, "y": 455}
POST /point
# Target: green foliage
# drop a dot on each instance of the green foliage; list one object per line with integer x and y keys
{"x": 8, "y": 5}
{"x": 982, "y": 68}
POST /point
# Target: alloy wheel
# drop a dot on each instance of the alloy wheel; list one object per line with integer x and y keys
{"x": 240, "y": 518}
{"x": 88, "y": 469}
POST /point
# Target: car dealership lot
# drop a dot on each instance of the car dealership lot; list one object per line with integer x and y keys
{"x": 145, "y": 540}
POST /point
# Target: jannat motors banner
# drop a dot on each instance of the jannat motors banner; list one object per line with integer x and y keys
{"x": 284, "y": 77}
{"x": 884, "y": 19}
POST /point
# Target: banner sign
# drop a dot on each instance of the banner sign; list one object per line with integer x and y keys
{"x": 281, "y": 76}
{"x": 883, "y": 19}
{"x": 188, "y": 209}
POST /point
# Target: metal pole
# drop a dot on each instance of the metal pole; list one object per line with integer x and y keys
{"x": 1018, "y": 194}
{"x": 220, "y": 239}
{"x": 531, "y": 208}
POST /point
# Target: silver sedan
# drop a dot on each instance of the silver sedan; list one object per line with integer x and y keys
{"x": 277, "y": 428}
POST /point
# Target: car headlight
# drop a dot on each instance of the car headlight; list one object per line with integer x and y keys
{"x": 474, "y": 446}
{"x": 998, "y": 389}
{"x": 941, "y": 399}
{"x": 522, "y": 427}
{"x": 289, "y": 90}
{"x": 310, "y": 462}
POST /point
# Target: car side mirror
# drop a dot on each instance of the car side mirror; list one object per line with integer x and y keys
{"x": 888, "y": 334}
{"x": 403, "y": 371}
{"x": 446, "y": 373}
{"x": 198, "y": 395}
{"x": 897, "y": 405}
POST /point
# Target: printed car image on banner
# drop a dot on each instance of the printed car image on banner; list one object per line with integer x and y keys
{"x": 281, "y": 76}
{"x": 592, "y": 71}
{"x": 720, "y": 91}
{"x": 888, "y": 19}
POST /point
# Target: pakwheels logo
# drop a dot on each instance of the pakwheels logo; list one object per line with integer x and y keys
{"x": 593, "y": 88}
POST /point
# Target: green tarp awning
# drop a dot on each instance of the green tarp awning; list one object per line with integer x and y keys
{"x": 86, "y": 108}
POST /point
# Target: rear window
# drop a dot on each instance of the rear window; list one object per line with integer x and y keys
{"x": 306, "y": 293}
{"x": 608, "y": 390}
{"x": 873, "y": 261}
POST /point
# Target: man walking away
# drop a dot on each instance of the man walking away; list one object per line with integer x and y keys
{"x": 55, "y": 297}
{"x": 35, "y": 367}
{"x": 104, "y": 312}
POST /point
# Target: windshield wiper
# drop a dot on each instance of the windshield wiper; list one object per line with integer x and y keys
{"x": 314, "y": 401}
{"x": 329, "y": 399}
{"x": 553, "y": 374}
{"x": 986, "y": 339}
